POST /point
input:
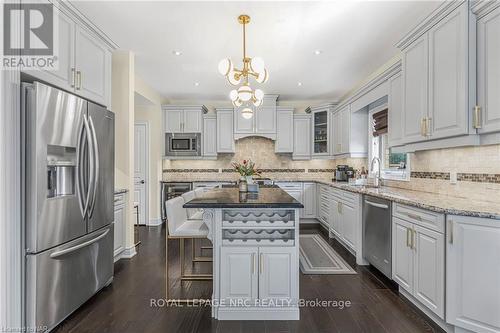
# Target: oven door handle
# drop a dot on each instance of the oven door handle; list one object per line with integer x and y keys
{"x": 374, "y": 204}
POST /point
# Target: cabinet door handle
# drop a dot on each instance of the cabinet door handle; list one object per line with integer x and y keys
{"x": 78, "y": 80}
{"x": 422, "y": 127}
{"x": 261, "y": 262}
{"x": 414, "y": 239}
{"x": 477, "y": 117}
{"x": 253, "y": 263}
{"x": 73, "y": 77}
{"x": 408, "y": 237}
{"x": 450, "y": 231}
{"x": 414, "y": 216}
{"x": 428, "y": 126}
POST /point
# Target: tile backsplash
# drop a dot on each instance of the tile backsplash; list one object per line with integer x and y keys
{"x": 477, "y": 168}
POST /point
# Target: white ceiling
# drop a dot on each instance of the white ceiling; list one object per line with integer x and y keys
{"x": 355, "y": 37}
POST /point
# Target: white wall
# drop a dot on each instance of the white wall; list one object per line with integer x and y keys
{"x": 148, "y": 109}
{"x": 123, "y": 107}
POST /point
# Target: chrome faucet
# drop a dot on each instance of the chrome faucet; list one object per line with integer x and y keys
{"x": 378, "y": 178}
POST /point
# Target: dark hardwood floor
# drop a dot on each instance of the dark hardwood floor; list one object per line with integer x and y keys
{"x": 125, "y": 305}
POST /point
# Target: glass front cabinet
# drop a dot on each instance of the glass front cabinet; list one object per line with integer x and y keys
{"x": 321, "y": 129}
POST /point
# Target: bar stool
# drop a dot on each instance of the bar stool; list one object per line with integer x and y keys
{"x": 180, "y": 227}
{"x": 195, "y": 214}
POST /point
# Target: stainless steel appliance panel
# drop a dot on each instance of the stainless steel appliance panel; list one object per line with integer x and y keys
{"x": 377, "y": 234}
{"x": 170, "y": 190}
{"x": 102, "y": 165}
{"x": 61, "y": 279}
{"x": 53, "y": 122}
{"x": 182, "y": 144}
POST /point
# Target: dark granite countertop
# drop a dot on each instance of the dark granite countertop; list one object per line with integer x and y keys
{"x": 230, "y": 197}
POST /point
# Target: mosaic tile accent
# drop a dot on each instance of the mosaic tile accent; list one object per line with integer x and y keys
{"x": 322, "y": 170}
{"x": 479, "y": 177}
{"x": 430, "y": 175}
{"x": 190, "y": 170}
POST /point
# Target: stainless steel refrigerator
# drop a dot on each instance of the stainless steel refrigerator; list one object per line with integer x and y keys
{"x": 68, "y": 188}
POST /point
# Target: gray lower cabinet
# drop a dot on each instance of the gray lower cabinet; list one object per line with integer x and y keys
{"x": 120, "y": 219}
{"x": 418, "y": 256}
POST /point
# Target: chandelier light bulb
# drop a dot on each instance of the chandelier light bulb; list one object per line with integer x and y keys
{"x": 259, "y": 94}
{"x": 233, "y": 95}
{"x": 257, "y": 102}
{"x": 247, "y": 113}
{"x": 257, "y": 65}
{"x": 263, "y": 76}
{"x": 225, "y": 66}
{"x": 245, "y": 93}
{"x": 232, "y": 80}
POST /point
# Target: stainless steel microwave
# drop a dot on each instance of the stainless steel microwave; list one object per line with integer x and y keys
{"x": 182, "y": 144}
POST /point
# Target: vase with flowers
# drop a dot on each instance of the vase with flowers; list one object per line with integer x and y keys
{"x": 247, "y": 170}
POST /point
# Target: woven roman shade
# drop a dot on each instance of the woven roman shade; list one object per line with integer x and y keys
{"x": 380, "y": 121}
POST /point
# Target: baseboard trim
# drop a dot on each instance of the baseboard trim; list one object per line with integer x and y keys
{"x": 129, "y": 252}
{"x": 261, "y": 313}
{"x": 155, "y": 222}
{"x": 440, "y": 322}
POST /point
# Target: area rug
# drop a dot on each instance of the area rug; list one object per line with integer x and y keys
{"x": 318, "y": 257}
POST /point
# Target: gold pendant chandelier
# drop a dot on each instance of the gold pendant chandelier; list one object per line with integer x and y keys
{"x": 245, "y": 95}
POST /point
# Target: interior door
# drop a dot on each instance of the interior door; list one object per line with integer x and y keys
{"x": 52, "y": 127}
{"x": 102, "y": 122}
{"x": 141, "y": 170}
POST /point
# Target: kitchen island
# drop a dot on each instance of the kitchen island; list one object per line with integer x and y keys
{"x": 255, "y": 239}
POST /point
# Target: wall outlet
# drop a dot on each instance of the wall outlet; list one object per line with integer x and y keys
{"x": 453, "y": 177}
{"x": 220, "y": 170}
{"x": 307, "y": 171}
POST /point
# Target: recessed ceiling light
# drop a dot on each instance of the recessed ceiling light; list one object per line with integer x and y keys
{"x": 318, "y": 52}
{"x": 177, "y": 53}
{"x": 196, "y": 84}
{"x": 299, "y": 84}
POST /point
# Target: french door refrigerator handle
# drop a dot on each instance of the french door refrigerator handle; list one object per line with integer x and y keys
{"x": 79, "y": 173}
{"x": 96, "y": 165}
{"x": 91, "y": 165}
{"x": 57, "y": 254}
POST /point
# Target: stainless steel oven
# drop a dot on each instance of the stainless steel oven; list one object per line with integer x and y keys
{"x": 183, "y": 144}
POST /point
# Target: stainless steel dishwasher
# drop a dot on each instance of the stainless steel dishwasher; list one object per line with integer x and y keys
{"x": 377, "y": 234}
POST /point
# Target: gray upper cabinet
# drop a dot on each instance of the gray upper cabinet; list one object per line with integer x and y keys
{"x": 93, "y": 65}
{"x": 436, "y": 92}
{"x": 225, "y": 135}
{"x": 183, "y": 119}
{"x": 448, "y": 76}
{"x": 395, "y": 110}
{"x": 262, "y": 123}
{"x": 321, "y": 131}
{"x": 284, "y": 131}
{"x": 84, "y": 58}
{"x": 415, "y": 90}
{"x": 488, "y": 67}
{"x": 301, "y": 137}
{"x": 209, "y": 142}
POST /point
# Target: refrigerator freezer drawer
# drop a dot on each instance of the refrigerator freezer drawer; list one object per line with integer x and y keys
{"x": 61, "y": 279}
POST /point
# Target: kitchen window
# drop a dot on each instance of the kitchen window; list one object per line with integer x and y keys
{"x": 394, "y": 166}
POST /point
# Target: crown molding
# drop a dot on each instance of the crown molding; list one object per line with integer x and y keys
{"x": 322, "y": 107}
{"x": 442, "y": 11}
{"x": 68, "y": 8}
{"x": 184, "y": 107}
{"x": 392, "y": 70}
{"x": 483, "y": 7}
